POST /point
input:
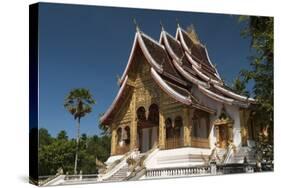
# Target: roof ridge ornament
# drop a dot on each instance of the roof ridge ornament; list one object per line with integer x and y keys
{"x": 161, "y": 25}
{"x": 136, "y": 24}
{"x": 193, "y": 34}
{"x": 181, "y": 58}
{"x": 224, "y": 115}
{"x": 178, "y": 23}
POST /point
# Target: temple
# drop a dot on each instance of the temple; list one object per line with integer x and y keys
{"x": 174, "y": 111}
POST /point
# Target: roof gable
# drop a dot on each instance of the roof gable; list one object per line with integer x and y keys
{"x": 175, "y": 63}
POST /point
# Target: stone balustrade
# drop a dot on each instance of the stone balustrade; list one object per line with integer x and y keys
{"x": 211, "y": 169}
{"x": 178, "y": 171}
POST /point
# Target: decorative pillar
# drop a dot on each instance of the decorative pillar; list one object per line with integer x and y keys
{"x": 186, "y": 127}
{"x": 113, "y": 140}
{"x": 162, "y": 131}
{"x": 246, "y": 120}
{"x": 217, "y": 129}
{"x": 213, "y": 168}
{"x": 244, "y": 134}
{"x": 133, "y": 129}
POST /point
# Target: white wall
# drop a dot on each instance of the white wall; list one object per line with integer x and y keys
{"x": 179, "y": 157}
{"x": 232, "y": 110}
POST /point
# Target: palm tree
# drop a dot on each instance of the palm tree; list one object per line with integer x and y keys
{"x": 79, "y": 103}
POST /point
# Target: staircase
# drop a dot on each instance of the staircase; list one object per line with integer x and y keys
{"x": 221, "y": 153}
{"x": 230, "y": 156}
{"x": 120, "y": 175}
{"x": 243, "y": 152}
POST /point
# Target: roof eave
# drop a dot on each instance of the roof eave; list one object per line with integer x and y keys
{"x": 106, "y": 115}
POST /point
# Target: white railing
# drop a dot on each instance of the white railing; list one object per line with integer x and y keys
{"x": 211, "y": 169}
{"x": 178, "y": 171}
{"x": 228, "y": 156}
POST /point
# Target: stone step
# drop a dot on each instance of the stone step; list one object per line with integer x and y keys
{"x": 119, "y": 175}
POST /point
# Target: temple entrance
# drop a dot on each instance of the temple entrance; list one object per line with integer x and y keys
{"x": 147, "y": 128}
{"x": 224, "y": 129}
{"x": 222, "y": 137}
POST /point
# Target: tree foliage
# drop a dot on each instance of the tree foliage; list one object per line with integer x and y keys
{"x": 264, "y": 151}
{"x": 79, "y": 102}
{"x": 60, "y": 153}
{"x": 104, "y": 129}
{"x": 239, "y": 86}
{"x": 44, "y": 138}
{"x": 260, "y": 30}
{"x": 62, "y": 135}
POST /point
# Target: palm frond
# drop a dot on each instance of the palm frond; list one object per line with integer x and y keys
{"x": 79, "y": 102}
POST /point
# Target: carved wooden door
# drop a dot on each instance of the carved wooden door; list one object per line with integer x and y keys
{"x": 223, "y": 136}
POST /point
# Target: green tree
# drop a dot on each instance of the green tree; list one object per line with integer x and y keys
{"x": 79, "y": 103}
{"x": 58, "y": 154}
{"x": 44, "y": 137}
{"x": 264, "y": 151}
{"x": 239, "y": 86}
{"x": 260, "y": 31}
{"x": 104, "y": 129}
{"x": 62, "y": 135}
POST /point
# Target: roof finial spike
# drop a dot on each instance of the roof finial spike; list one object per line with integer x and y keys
{"x": 136, "y": 24}
{"x": 161, "y": 25}
{"x": 192, "y": 34}
{"x": 178, "y": 23}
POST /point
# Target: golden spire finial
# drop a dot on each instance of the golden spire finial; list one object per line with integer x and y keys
{"x": 192, "y": 34}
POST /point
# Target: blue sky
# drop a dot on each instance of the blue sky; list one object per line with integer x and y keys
{"x": 88, "y": 46}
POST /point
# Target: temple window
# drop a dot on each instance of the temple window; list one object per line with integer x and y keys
{"x": 169, "y": 128}
{"x": 141, "y": 114}
{"x": 153, "y": 115}
{"x": 178, "y": 127}
{"x": 123, "y": 140}
{"x": 119, "y": 135}
{"x": 127, "y": 137}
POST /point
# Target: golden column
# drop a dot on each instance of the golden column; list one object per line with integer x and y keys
{"x": 113, "y": 140}
{"x": 243, "y": 125}
{"x": 186, "y": 128}
{"x": 133, "y": 129}
{"x": 162, "y": 131}
{"x": 218, "y": 140}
